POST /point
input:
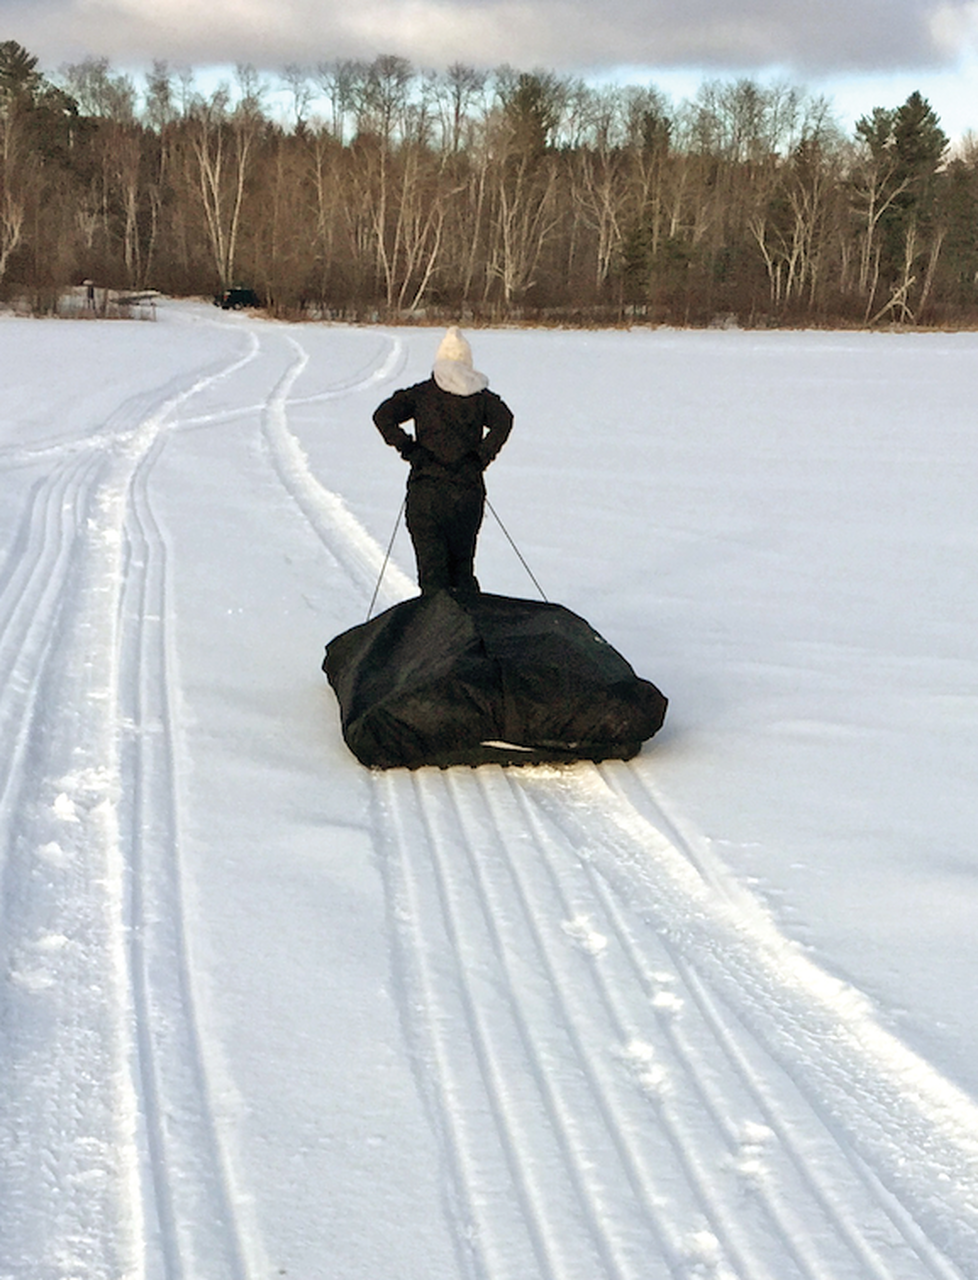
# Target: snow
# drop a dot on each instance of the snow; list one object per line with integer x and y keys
{"x": 705, "y": 1014}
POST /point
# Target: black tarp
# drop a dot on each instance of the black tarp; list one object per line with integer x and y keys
{"x": 446, "y": 680}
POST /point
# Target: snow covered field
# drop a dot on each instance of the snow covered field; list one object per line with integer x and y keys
{"x": 707, "y": 1014}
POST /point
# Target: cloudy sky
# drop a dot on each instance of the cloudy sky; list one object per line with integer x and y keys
{"x": 864, "y": 53}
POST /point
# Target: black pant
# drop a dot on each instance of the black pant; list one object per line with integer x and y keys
{"x": 443, "y": 518}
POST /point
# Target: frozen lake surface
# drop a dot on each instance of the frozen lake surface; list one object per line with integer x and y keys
{"x": 706, "y": 1014}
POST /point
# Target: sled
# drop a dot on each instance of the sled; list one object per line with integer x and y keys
{"x": 480, "y": 679}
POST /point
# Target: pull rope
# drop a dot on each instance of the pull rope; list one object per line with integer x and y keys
{"x": 517, "y": 550}
{"x": 383, "y": 567}
{"x": 390, "y": 547}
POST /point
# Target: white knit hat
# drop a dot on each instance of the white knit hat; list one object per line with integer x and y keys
{"x": 454, "y": 346}
{"x": 453, "y": 369}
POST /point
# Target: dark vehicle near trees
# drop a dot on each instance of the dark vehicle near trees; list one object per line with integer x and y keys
{"x": 233, "y": 299}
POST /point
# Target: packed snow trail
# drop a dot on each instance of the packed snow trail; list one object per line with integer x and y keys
{"x": 186, "y": 1194}
{"x": 88, "y": 831}
{"x": 620, "y": 1067}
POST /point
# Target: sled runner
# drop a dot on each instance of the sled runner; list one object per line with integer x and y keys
{"x": 476, "y": 679}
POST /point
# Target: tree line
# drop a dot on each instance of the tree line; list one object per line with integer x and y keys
{"x": 377, "y": 190}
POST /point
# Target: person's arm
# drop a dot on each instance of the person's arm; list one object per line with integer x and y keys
{"x": 388, "y": 418}
{"x": 499, "y": 423}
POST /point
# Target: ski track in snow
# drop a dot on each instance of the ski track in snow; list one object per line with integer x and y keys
{"x": 350, "y": 545}
{"x": 109, "y": 1162}
{"x": 187, "y": 1190}
{"x": 630, "y": 1073}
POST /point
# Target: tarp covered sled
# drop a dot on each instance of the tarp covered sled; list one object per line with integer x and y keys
{"x": 444, "y": 680}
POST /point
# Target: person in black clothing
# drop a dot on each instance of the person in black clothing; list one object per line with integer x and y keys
{"x": 459, "y": 427}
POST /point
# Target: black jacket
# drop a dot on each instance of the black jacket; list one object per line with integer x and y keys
{"x": 454, "y": 436}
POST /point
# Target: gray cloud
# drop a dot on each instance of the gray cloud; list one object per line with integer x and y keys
{"x": 816, "y": 37}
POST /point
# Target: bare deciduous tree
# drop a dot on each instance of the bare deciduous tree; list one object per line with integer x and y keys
{"x": 221, "y": 142}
